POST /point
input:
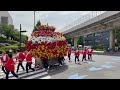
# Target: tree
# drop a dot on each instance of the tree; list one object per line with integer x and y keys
{"x": 7, "y": 30}
{"x": 15, "y": 35}
{"x": 117, "y": 34}
{"x": 38, "y": 23}
{"x": 35, "y": 29}
{"x": 80, "y": 41}
{"x": 1, "y": 30}
{"x": 12, "y": 31}
{"x": 69, "y": 40}
{"x": 24, "y": 38}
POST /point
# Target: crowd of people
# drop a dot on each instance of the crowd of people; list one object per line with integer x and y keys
{"x": 8, "y": 63}
{"x": 84, "y": 52}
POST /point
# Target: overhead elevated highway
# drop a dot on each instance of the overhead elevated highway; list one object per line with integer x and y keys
{"x": 108, "y": 20}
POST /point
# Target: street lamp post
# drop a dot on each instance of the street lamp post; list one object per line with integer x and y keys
{"x": 34, "y": 19}
{"x": 20, "y": 35}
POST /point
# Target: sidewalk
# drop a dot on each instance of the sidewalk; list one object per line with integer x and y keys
{"x": 107, "y": 53}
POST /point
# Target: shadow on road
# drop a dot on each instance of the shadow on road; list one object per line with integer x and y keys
{"x": 57, "y": 69}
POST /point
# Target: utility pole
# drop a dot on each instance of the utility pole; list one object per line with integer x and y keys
{"x": 20, "y": 37}
{"x": 34, "y": 19}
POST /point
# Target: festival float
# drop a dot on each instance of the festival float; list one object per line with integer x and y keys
{"x": 47, "y": 44}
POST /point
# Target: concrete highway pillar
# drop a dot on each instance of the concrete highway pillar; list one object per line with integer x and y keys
{"x": 112, "y": 39}
{"x": 75, "y": 42}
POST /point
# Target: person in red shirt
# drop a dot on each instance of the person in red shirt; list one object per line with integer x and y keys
{"x": 20, "y": 58}
{"x": 10, "y": 66}
{"x": 29, "y": 61}
{"x": 90, "y": 52}
{"x": 4, "y": 59}
{"x": 77, "y": 54}
{"x": 84, "y": 52}
{"x": 69, "y": 53}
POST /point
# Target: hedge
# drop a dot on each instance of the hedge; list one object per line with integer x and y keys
{"x": 1, "y": 50}
{"x": 7, "y": 48}
{"x": 8, "y": 41}
{"x": 14, "y": 48}
{"x": 2, "y": 45}
{"x": 99, "y": 49}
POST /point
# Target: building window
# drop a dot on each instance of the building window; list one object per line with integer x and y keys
{"x": 97, "y": 40}
{"x": 97, "y": 34}
{"x": 4, "y": 20}
{"x": 107, "y": 38}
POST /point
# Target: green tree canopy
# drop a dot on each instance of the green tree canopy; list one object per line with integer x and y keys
{"x": 80, "y": 40}
{"x": 117, "y": 34}
{"x": 6, "y": 30}
{"x": 35, "y": 29}
{"x": 24, "y": 38}
{"x": 69, "y": 40}
{"x": 11, "y": 33}
{"x": 38, "y": 23}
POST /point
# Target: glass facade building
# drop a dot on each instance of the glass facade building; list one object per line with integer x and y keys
{"x": 97, "y": 39}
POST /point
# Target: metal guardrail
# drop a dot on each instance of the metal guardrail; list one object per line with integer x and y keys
{"x": 82, "y": 19}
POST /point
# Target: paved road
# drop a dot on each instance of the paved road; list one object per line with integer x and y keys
{"x": 38, "y": 74}
{"x": 104, "y": 67}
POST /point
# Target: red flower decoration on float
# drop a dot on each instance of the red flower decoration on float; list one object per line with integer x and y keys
{"x": 49, "y": 43}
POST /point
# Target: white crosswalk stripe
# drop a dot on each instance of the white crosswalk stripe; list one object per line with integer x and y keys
{"x": 37, "y": 74}
{"x": 47, "y": 77}
{"x": 33, "y": 75}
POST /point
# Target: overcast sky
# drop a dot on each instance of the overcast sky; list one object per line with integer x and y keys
{"x": 54, "y": 18}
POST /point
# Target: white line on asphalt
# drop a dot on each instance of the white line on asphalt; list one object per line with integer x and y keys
{"x": 2, "y": 73}
{"x": 37, "y": 75}
{"x": 47, "y": 77}
{"x": 30, "y": 73}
